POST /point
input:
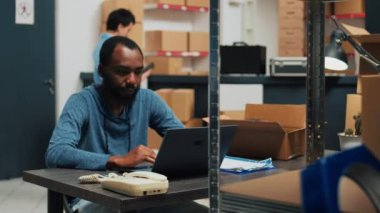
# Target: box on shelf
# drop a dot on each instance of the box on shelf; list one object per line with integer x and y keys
{"x": 291, "y": 13}
{"x": 154, "y": 139}
{"x": 291, "y": 4}
{"x": 294, "y": 34}
{"x": 292, "y": 42}
{"x": 371, "y": 113}
{"x": 353, "y": 107}
{"x": 292, "y": 24}
{"x": 284, "y": 191}
{"x": 289, "y": 52}
{"x": 239, "y": 115}
{"x": 349, "y": 7}
{"x": 359, "y": 85}
{"x": 197, "y": 3}
{"x": 273, "y": 192}
{"x": 269, "y": 130}
{"x": 183, "y": 103}
{"x": 165, "y": 40}
{"x": 136, "y": 34}
{"x": 135, "y": 6}
{"x": 193, "y": 122}
{"x": 370, "y": 42}
{"x": 165, "y": 65}
{"x": 165, "y": 93}
{"x": 177, "y": 2}
{"x": 199, "y": 41}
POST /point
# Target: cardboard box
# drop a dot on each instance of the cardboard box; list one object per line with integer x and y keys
{"x": 238, "y": 115}
{"x": 292, "y": 24}
{"x": 370, "y": 42}
{"x": 197, "y": 3}
{"x": 371, "y": 113}
{"x": 199, "y": 41}
{"x": 135, "y": 6}
{"x": 353, "y": 107}
{"x": 166, "y": 94}
{"x": 165, "y": 40}
{"x": 178, "y": 2}
{"x": 283, "y": 4}
{"x": 349, "y": 7}
{"x": 183, "y": 103}
{"x": 136, "y": 34}
{"x": 291, "y": 13}
{"x": 359, "y": 85}
{"x": 165, "y": 65}
{"x": 287, "y": 122}
{"x": 284, "y": 189}
{"x": 193, "y": 122}
{"x": 298, "y": 34}
{"x": 291, "y": 44}
{"x": 269, "y": 130}
{"x": 154, "y": 139}
{"x": 288, "y": 51}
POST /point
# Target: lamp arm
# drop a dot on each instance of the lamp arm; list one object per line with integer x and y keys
{"x": 363, "y": 52}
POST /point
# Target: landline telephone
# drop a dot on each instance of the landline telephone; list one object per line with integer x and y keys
{"x": 139, "y": 183}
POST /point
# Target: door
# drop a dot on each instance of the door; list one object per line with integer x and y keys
{"x": 27, "y": 67}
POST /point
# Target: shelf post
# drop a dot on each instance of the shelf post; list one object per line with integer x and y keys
{"x": 213, "y": 108}
{"x": 315, "y": 81}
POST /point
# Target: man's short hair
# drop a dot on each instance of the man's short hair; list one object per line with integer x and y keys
{"x": 109, "y": 46}
{"x": 120, "y": 16}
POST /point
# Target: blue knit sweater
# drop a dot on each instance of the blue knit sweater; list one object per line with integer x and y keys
{"x": 87, "y": 134}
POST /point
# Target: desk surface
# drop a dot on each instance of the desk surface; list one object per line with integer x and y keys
{"x": 65, "y": 181}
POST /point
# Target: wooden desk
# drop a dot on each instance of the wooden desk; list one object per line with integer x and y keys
{"x": 61, "y": 182}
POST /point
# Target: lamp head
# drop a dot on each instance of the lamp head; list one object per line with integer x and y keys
{"x": 335, "y": 57}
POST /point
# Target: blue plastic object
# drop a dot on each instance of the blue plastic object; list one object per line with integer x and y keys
{"x": 320, "y": 180}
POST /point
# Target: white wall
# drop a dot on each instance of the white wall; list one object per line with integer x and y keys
{"x": 77, "y": 23}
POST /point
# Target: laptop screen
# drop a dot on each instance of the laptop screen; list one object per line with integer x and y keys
{"x": 184, "y": 152}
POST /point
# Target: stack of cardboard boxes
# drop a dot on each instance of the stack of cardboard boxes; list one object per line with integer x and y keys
{"x": 292, "y": 29}
{"x": 164, "y": 40}
{"x": 181, "y": 101}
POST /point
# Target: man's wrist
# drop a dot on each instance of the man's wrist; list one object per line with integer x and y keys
{"x": 112, "y": 162}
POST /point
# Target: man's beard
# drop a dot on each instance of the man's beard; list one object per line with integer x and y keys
{"x": 124, "y": 94}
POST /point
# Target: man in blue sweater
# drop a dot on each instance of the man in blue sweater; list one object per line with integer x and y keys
{"x": 105, "y": 126}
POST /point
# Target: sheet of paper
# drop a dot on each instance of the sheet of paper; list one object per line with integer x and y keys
{"x": 242, "y": 164}
{"x": 24, "y": 12}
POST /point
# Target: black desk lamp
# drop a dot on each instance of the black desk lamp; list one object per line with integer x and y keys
{"x": 335, "y": 57}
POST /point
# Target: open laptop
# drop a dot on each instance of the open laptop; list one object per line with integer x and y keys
{"x": 184, "y": 152}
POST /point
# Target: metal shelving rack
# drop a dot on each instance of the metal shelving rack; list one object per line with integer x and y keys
{"x": 315, "y": 85}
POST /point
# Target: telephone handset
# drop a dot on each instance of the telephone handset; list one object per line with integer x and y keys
{"x": 139, "y": 183}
